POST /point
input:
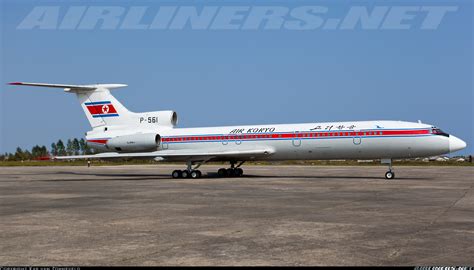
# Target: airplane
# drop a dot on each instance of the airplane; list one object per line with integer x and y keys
{"x": 119, "y": 133}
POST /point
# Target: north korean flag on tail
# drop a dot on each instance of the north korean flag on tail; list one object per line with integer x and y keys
{"x": 101, "y": 109}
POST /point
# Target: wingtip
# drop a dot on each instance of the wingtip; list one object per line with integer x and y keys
{"x": 14, "y": 83}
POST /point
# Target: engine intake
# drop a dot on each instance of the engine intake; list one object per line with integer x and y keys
{"x": 145, "y": 142}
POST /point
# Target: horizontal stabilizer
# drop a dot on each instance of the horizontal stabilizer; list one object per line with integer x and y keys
{"x": 89, "y": 87}
{"x": 99, "y": 105}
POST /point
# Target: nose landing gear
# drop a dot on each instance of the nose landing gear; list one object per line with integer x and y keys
{"x": 390, "y": 174}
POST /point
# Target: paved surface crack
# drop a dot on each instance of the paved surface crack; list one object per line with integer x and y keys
{"x": 394, "y": 254}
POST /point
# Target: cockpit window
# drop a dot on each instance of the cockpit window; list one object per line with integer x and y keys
{"x": 438, "y": 131}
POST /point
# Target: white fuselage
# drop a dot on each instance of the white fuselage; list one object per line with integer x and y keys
{"x": 332, "y": 140}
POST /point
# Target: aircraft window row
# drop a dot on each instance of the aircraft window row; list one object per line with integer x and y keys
{"x": 298, "y": 135}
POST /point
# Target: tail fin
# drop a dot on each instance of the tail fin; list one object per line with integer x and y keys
{"x": 100, "y": 107}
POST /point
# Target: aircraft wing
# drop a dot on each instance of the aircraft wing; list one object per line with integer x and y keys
{"x": 181, "y": 155}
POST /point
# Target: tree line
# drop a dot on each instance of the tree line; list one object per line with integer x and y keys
{"x": 72, "y": 147}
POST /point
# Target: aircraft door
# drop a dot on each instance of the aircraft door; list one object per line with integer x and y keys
{"x": 238, "y": 139}
{"x": 357, "y": 139}
{"x": 296, "y": 141}
{"x": 164, "y": 145}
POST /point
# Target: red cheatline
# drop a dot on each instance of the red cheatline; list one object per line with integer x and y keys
{"x": 98, "y": 141}
{"x": 303, "y": 135}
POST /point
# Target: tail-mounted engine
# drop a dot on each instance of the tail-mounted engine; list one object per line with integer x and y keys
{"x": 160, "y": 118}
{"x": 145, "y": 142}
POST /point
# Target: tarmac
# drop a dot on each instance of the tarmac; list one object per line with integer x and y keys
{"x": 273, "y": 215}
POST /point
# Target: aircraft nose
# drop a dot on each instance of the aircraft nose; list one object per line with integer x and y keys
{"x": 456, "y": 144}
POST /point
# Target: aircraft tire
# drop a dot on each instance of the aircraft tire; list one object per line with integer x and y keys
{"x": 238, "y": 172}
{"x": 222, "y": 172}
{"x": 176, "y": 174}
{"x": 195, "y": 174}
{"x": 185, "y": 174}
{"x": 389, "y": 175}
{"x": 230, "y": 172}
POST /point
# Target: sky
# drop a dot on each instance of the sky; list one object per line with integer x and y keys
{"x": 234, "y": 77}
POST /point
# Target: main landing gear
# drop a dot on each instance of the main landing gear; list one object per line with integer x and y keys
{"x": 188, "y": 173}
{"x": 390, "y": 174}
{"x": 233, "y": 171}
